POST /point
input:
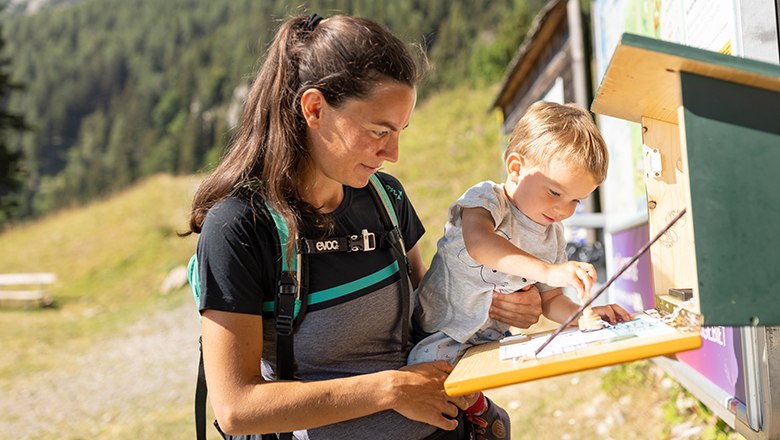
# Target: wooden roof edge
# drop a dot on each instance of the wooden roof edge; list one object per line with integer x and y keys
{"x": 520, "y": 60}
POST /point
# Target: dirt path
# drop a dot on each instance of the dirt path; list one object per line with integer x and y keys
{"x": 118, "y": 381}
{"x": 129, "y": 386}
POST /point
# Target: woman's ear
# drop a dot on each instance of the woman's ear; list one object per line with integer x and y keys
{"x": 312, "y": 103}
{"x": 514, "y": 165}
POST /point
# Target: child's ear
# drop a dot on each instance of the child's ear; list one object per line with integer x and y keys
{"x": 514, "y": 164}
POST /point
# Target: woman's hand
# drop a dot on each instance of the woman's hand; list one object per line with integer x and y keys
{"x": 612, "y": 313}
{"x": 420, "y": 394}
{"x": 520, "y": 309}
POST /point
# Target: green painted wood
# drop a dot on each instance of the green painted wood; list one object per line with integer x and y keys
{"x": 732, "y": 134}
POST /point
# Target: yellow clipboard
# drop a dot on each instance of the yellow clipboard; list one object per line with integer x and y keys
{"x": 482, "y": 367}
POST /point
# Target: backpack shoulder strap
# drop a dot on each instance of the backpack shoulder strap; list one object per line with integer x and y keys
{"x": 193, "y": 269}
{"x": 399, "y": 252}
{"x": 193, "y": 276}
{"x": 379, "y": 188}
{"x": 287, "y": 307}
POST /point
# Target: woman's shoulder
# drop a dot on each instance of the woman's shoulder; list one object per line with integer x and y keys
{"x": 236, "y": 211}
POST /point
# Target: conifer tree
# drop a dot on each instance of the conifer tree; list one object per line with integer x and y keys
{"x": 10, "y": 161}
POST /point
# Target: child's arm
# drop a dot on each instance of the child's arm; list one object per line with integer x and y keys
{"x": 558, "y": 307}
{"x": 492, "y": 250}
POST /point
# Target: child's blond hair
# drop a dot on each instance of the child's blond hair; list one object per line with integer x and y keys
{"x": 565, "y": 132}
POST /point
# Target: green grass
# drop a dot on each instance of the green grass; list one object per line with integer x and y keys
{"x": 452, "y": 143}
{"x": 110, "y": 258}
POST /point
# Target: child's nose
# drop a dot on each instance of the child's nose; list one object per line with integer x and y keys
{"x": 565, "y": 210}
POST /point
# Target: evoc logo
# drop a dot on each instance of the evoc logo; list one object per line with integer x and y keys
{"x": 328, "y": 245}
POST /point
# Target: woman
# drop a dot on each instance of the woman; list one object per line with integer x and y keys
{"x": 324, "y": 113}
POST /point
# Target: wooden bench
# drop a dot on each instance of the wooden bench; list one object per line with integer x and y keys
{"x": 26, "y": 288}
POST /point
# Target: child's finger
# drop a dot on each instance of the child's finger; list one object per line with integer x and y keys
{"x": 583, "y": 287}
{"x": 588, "y": 281}
{"x": 607, "y": 312}
{"x": 622, "y": 313}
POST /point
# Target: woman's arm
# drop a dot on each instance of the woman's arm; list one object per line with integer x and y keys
{"x": 245, "y": 403}
{"x": 417, "y": 265}
{"x": 520, "y": 309}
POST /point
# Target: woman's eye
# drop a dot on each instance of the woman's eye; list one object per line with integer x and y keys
{"x": 380, "y": 134}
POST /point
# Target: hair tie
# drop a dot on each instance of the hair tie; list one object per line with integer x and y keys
{"x": 312, "y": 21}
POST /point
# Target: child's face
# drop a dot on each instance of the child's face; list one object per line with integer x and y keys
{"x": 547, "y": 195}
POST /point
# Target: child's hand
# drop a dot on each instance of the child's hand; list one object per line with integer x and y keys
{"x": 612, "y": 313}
{"x": 575, "y": 274}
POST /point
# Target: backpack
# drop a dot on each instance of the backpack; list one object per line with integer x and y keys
{"x": 289, "y": 304}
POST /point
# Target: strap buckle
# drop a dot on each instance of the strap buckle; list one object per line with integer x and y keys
{"x": 366, "y": 241}
{"x": 285, "y": 304}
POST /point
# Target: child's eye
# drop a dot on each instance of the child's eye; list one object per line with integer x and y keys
{"x": 555, "y": 194}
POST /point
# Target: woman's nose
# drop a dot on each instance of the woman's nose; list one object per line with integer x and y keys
{"x": 390, "y": 150}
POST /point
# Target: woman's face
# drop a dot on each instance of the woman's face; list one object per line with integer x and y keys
{"x": 351, "y": 142}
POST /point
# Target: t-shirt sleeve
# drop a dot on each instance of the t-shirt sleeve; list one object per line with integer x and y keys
{"x": 235, "y": 258}
{"x": 409, "y": 222}
{"x": 481, "y": 195}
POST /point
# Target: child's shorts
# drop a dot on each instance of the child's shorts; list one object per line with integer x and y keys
{"x": 439, "y": 346}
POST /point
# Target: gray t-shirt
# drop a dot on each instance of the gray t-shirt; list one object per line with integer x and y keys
{"x": 456, "y": 292}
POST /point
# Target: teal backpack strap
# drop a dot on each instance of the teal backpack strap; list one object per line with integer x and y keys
{"x": 388, "y": 205}
{"x": 288, "y": 300}
{"x": 286, "y": 307}
{"x": 398, "y": 249}
{"x": 384, "y": 199}
{"x": 201, "y": 390}
{"x": 193, "y": 276}
{"x": 287, "y": 303}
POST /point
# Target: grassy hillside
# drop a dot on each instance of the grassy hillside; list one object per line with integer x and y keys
{"x": 452, "y": 143}
{"x": 110, "y": 258}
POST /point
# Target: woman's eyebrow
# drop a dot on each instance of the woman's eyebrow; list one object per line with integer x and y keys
{"x": 390, "y": 125}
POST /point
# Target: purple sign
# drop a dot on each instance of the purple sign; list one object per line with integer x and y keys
{"x": 634, "y": 289}
{"x": 719, "y": 358}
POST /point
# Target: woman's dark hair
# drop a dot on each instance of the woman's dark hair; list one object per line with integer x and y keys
{"x": 343, "y": 57}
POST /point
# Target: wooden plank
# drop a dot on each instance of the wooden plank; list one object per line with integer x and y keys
{"x": 674, "y": 256}
{"x": 642, "y": 79}
{"x": 16, "y": 279}
{"x": 22, "y": 295}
